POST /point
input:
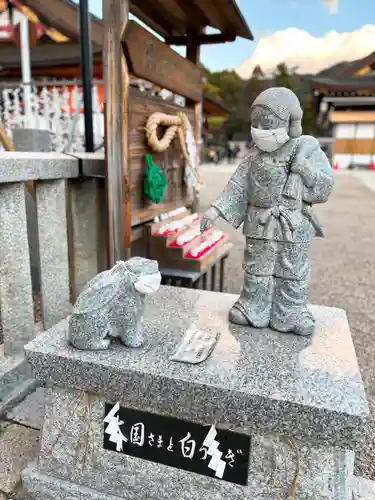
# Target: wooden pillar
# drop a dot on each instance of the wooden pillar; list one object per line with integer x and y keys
{"x": 116, "y": 82}
{"x": 193, "y": 50}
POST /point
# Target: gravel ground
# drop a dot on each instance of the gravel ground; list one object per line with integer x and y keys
{"x": 343, "y": 272}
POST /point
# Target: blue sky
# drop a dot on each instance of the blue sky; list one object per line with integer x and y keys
{"x": 267, "y": 16}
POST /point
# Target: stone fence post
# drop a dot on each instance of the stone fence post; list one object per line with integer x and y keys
{"x": 68, "y": 201}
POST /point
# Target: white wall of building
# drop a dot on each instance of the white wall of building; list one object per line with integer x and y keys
{"x": 344, "y": 131}
{"x": 353, "y": 131}
{"x": 365, "y": 131}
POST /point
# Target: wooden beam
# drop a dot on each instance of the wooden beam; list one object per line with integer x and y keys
{"x": 196, "y": 16}
{"x": 354, "y": 146}
{"x": 212, "y": 14}
{"x": 201, "y": 39}
{"x": 174, "y": 12}
{"x": 151, "y": 59}
{"x": 193, "y": 49}
{"x": 352, "y": 116}
{"x": 151, "y": 23}
{"x": 164, "y": 14}
{"x": 235, "y": 19}
{"x": 149, "y": 11}
{"x": 115, "y": 79}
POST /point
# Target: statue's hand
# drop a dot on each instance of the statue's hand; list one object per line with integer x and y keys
{"x": 208, "y": 218}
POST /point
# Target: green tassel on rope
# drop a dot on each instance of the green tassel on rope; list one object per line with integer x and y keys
{"x": 155, "y": 181}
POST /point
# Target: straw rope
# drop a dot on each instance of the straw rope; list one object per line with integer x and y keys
{"x": 175, "y": 125}
{"x": 5, "y": 140}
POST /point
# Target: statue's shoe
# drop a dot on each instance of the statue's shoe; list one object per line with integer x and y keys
{"x": 304, "y": 326}
{"x": 237, "y": 317}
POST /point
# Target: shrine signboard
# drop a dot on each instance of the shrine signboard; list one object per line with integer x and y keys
{"x": 192, "y": 447}
{"x": 152, "y": 60}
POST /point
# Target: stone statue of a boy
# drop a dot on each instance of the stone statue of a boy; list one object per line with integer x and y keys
{"x": 271, "y": 193}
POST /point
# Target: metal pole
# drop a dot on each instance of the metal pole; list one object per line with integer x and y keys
{"x": 193, "y": 52}
{"x": 26, "y": 68}
{"x": 86, "y": 72}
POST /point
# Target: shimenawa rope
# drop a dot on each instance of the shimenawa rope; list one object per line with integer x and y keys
{"x": 176, "y": 124}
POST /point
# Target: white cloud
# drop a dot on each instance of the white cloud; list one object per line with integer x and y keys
{"x": 332, "y": 5}
{"x": 311, "y": 54}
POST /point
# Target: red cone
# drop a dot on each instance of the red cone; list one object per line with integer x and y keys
{"x": 336, "y": 166}
{"x": 372, "y": 165}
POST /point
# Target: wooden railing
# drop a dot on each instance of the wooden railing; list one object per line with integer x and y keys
{"x": 52, "y": 241}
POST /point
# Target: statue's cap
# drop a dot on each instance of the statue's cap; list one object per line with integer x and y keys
{"x": 283, "y": 103}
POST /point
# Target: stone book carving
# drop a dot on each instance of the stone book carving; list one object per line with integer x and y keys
{"x": 112, "y": 305}
{"x": 271, "y": 193}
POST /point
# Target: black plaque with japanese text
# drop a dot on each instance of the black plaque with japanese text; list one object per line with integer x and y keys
{"x": 206, "y": 450}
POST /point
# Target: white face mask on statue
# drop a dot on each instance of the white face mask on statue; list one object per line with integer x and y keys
{"x": 269, "y": 140}
{"x": 148, "y": 284}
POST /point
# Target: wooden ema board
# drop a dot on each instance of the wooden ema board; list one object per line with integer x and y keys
{"x": 178, "y": 257}
{"x": 151, "y": 59}
{"x": 170, "y": 162}
{"x": 155, "y": 226}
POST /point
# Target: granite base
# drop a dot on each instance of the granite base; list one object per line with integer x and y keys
{"x": 45, "y": 487}
{"x": 30, "y": 411}
{"x": 363, "y": 489}
{"x": 72, "y": 450}
{"x": 48, "y": 488}
{"x": 16, "y": 381}
{"x": 301, "y": 401}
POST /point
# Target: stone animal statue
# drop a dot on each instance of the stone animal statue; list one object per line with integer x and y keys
{"x": 112, "y": 305}
{"x": 271, "y": 193}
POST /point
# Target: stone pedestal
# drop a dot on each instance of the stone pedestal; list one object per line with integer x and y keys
{"x": 300, "y": 400}
{"x": 31, "y": 139}
{"x": 26, "y": 140}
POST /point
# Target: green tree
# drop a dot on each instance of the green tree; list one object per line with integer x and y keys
{"x": 258, "y": 73}
{"x": 308, "y": 120}
{"x": 238, "y": 95}
{"x": 230, "y": 85}
{"x": 225, "y": 86}
{"x": 253, "y": 87}
{"x": 285, "y": 77}
{"x": 239, "y": 122}
{"x": 211, "y": 90}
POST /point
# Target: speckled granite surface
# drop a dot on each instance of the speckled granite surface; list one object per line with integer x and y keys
{"x": 363, "y": 489}
{"x": 263, "y": 383}
{"x": 343, "y": 272}
{"x": 72, "y": 462}
{"x": 258, "y": 379}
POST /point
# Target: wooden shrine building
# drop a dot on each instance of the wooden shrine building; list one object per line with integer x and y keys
{"x": 55, "y": 51}
{"x": 122, "y": 48}
{"x": 344, "y": 101}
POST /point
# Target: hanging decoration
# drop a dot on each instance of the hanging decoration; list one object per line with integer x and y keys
{"x": 176, "y": 125}
{"x": 155, "y": 181}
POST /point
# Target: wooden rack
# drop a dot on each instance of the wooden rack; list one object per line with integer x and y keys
{"x": 165, "y": 248}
